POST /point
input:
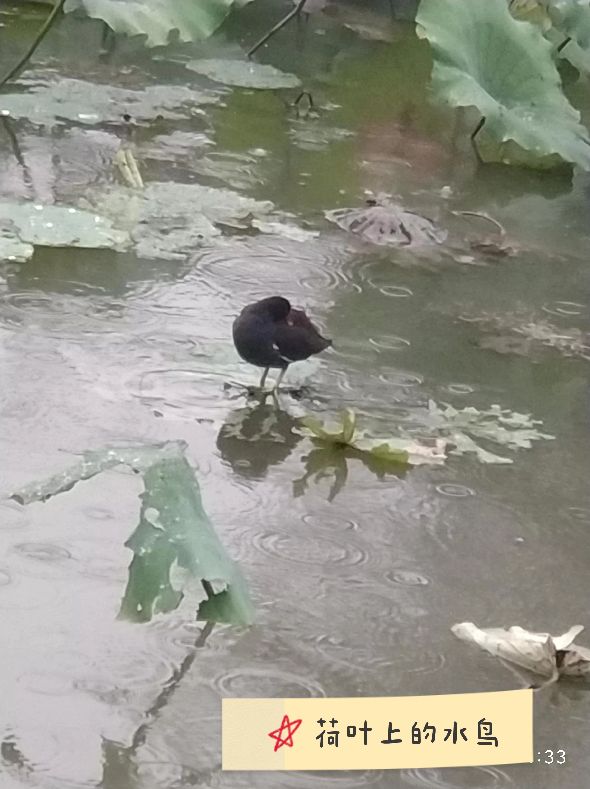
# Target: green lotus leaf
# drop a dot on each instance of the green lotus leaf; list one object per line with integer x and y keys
{"x": 176, "y": 552}
{"x": 157, "y": 19}
{"x": 169, "y": 220}
{"x": 46, "y": 99}
{"x": 12, "y": 249}
{"x": 405, "y": 451}
{"x": 244, "y": 74}
{"x": 485, "y": 58}
{"x": 59, "y": 226}
{"x": 342, "y": 432}
{"x": 572, "y": 17}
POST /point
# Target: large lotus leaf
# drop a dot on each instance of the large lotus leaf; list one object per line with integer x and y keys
{"x": 169, "y": 220}
{"x": 485, "y": 58}
{"x": 388, "y": 224}
{"x": 244, "y": 74}
{"x": 61, "y": 226}
{"x": 157, "y": 19}
{"x": 50, "y": 100}
{"x": 174, "y": 537}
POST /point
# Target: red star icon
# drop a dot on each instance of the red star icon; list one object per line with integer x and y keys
{"x": 288, "y": 728}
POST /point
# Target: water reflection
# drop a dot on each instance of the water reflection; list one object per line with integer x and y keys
{"x": 332, "y": 463}
{"x": 267, "y": 426}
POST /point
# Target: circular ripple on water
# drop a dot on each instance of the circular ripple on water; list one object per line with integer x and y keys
{"x": 13, "y": 515}
{"x": 20, "y": 307}
{"x": 27, "y": 594}
{"x": 330, "y": 522}
{"x": 5, "y": 577}
{"x": 407, "y": 578}
{"x": 47, "y": 683}
{"x": 389, "y": 343}
{"x": 179, "y": 389}
{"x": 98, "y": 513}
{"x": 404, "y": 380}
{"x": 256, "y": 267}
{"x": 43, "y": 551}
{"x": 460, "y": 389}
{"x": 567, "y": 308}
{"x": 265, "y": 682}
{"x": 453, "y": 490}
{"x": 480, "y": 777}
{"x": 343, "y": 780}
{"x": 396, "y": 291}
{"x": 579, "y": 514}
{"x": 312, "y": 550}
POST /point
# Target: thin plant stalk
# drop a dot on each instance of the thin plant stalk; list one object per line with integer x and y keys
{"x": 45, "y": 28}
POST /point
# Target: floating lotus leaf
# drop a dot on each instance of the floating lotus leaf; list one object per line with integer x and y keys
{"x": 540, "y": 653}
{"x": 485, "y": 58}
{"x": 388, "y": 224}
{"x": 12, "y": 249}
{"x": 401, "y": 451}
{"x": 157, "y": 19}
{"x": 49, "y": 99}
{"x": 495, "y": 425}
{"x": 169, "y": 220}
{"x": 244, "y": 74}
{"x": 59, "y": 226}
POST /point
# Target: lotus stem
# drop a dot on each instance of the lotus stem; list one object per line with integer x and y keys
{"x": 38, "y": 39}
{"x": 474, "y": 134}
{"x": 564, "y": 43}
{"x": 287, "y": 18}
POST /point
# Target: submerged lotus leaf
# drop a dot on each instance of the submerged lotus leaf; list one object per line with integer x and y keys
{"x": 496, "y": 425}
{"x": 12, "y": 248}
{"x": 61, "y": 226}
{"x": 244, "y": 74}
{"x": 169, "y": 220}
{"x": 49, "y": 99}
{"x": 157, "y": 19}
{"x": 402, "y": 451}
{"x": 485, "y": 58}
{"x": 388, "y": 224}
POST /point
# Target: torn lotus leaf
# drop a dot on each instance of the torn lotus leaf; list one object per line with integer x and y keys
{"x": 540, "y": 653}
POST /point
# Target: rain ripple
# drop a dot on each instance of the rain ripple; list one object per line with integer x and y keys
{"x": 451, "y": 778}
{"x": 311, "y": 550}
{"x": 262, "y": 682}
{"x": 256, "y": 267}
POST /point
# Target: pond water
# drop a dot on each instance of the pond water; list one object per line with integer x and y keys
{"x": 355, "y": 588}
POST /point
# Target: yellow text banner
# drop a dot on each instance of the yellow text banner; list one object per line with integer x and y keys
{"x": 378, "y": 733}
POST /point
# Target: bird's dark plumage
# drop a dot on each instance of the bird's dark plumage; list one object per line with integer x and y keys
{"x": 270, "y": 333}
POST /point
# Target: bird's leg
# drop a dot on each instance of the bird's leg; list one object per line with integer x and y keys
{"x": 263, "y": 379}
{"x": 279, "y": 379}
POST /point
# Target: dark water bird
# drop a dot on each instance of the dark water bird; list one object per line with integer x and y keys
{"x": 271, "y": 334}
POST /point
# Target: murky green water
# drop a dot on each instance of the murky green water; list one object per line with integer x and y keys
{"x": 354, "y": 596}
